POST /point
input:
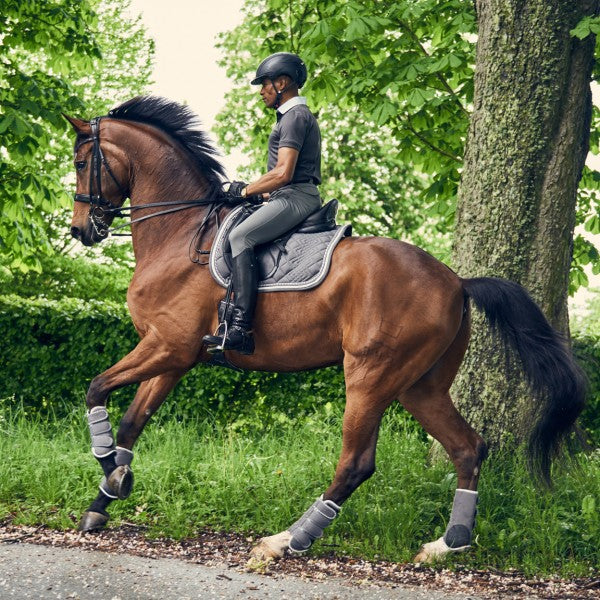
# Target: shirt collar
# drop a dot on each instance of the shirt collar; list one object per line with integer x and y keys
{"x": 295, "y": 101}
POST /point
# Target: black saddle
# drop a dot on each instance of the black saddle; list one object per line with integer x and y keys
{"x": 321, "y": 220}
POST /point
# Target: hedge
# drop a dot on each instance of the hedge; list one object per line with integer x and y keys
{"x": 51, "y": 349}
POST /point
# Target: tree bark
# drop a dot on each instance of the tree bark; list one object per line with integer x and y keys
{"x": 526, "y": 148}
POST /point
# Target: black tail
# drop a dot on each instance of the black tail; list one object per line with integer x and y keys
{"x": 556, "y": 381}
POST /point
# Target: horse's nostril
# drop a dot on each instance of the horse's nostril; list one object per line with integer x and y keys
{"x": 75, "y": 232}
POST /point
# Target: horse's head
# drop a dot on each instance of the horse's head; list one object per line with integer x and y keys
{"x": 102, "y": 180}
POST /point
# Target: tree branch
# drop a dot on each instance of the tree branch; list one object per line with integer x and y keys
{"x": 53, "y": 25}
{"x": 428, "y": 143}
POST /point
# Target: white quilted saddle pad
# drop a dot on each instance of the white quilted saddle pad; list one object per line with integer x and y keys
{"x": 297, "y": 263}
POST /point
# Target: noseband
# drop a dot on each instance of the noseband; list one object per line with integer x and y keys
{"x": 99, "y": 205}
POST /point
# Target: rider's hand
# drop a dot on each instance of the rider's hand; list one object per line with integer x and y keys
{"x": 255, "y": 199}
{"x": 233, "y": 192}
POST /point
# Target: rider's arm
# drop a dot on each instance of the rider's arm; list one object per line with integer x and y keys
{"x": 278, "y": 176}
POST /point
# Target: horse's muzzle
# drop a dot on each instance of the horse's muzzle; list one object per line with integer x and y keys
{"x": 87, "y": 236}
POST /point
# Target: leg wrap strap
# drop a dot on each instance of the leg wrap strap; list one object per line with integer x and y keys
{"x": 103, "y": 443}
{"x": 123, "y": 456}
{"x": 462, "y": 520}
{"x": 311, "y": 524}
{"x": 105, "y": 489}
{"x": 120, "y": 481}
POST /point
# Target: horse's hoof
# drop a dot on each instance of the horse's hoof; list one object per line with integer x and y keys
{"x": 271, "y": 547}
{"x": 120, "y": 481}
{"x": 433, "y": 551}
{"x": 92, "y": 521}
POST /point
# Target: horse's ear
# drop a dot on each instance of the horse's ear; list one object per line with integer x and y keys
{"x": 79, "y": 125}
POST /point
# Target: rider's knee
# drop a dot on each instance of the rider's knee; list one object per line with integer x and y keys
{"x": 239, "y": 243}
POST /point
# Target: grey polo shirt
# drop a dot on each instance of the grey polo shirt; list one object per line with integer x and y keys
{"x": 297, "y": 128}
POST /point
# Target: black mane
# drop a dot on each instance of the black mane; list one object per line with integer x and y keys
{"x": 181, "y": 124}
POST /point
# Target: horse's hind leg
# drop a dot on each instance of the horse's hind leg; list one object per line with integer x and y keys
{"x": 467, "y": 450}
{"x": 430, "y": 403}
{"x": 367, "y": 397}
{"x": 116, "y": 460}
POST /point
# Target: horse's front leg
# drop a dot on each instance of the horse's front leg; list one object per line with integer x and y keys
{"x": 118, "y": 476}
{"x": 146, "y": 363}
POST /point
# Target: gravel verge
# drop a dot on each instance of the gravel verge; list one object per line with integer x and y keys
{"x": 232, "y": 551}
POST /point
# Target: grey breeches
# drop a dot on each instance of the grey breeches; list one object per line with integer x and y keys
{"x": 287, "y": 207}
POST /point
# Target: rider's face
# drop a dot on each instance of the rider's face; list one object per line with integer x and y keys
{"x": 268, "y": 91}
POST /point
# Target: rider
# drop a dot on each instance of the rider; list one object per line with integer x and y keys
{"x": 290, "y": 184}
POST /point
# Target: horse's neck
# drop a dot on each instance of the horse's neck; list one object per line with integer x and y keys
{"x": 163, "y": 173}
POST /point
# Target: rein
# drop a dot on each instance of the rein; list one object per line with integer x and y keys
{"x": 100, "y": 206}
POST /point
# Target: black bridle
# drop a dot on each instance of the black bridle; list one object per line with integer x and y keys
{"x": 101, "y": 207}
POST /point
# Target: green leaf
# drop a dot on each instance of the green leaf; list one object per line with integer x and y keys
{"x": 356, "y": 29}
{"x": 585, "y": 27}
{"x": 454, "y": 61}
{"x": 6, "y": 122}
{"x": 593, "y": 224}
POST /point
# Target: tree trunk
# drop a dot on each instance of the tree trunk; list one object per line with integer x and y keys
{"x": 526, "y": 147}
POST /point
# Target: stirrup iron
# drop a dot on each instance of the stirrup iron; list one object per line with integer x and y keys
{"x": 216, "y": 342}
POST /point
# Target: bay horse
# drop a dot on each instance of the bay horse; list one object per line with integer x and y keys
{"x": 397, "y": 320}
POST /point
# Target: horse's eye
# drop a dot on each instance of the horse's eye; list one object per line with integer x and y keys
{"x": 80, "y": 165}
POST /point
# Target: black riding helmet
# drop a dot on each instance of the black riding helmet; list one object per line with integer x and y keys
{"x": 281, "y": 63}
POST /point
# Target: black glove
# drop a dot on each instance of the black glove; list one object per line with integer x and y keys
{"x": 233, "y": 194}
{"x": 255, "y": 199}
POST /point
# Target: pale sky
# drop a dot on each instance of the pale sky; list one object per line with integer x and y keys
{"x": 186, "y": 67}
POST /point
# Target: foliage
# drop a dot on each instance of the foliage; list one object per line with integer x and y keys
{"x": 588, "y": 206}
{"x": 53, "y": 348}
{"x": 587, "y": 351}
{"x": 586, "y": 345}
{"x": 191, "y": 474}
{"x": 87, "y": 277}
{"x": 392, "y": 85}
{"x": 61, "y": 56}
{"x": 587, "y": 26}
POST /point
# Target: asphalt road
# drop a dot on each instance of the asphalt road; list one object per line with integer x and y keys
{"x": 29, "y": 571}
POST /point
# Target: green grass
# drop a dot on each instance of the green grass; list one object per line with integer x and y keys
{"x": 191, "y": 475}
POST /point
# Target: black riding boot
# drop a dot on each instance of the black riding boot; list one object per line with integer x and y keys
{"x": 244, "y": 283}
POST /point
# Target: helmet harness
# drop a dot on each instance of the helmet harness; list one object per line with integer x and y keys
{"x": 279, "y": 93}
